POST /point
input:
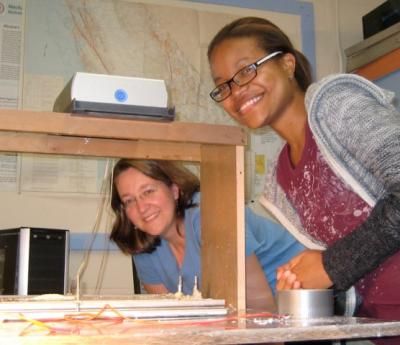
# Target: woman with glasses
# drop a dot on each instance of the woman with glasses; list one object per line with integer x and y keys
{"x": 156, "y": 204}
{"x": 336, "y": 183}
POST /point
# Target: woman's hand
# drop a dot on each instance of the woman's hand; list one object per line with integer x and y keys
{"x": 305, "y": 270}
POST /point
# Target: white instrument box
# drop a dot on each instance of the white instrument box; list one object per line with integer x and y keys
{"x": 115, "y": 96}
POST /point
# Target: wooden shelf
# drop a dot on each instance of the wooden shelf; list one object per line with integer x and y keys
{"x": 218, "y": 149}
{"x": 115, "y": 128}
{"x": 220, "y": 153}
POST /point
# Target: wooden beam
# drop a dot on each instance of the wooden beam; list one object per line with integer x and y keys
{"x": 219, "y": 149}
{"x": 222, "y": 214}
{"x": 95, "y": 147}
{"x": 85, "y": 126}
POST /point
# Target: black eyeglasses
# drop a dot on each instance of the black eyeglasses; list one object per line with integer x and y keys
{"x": 241, "y": 78}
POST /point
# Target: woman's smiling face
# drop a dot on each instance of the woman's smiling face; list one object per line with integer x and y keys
{"x": 149, "y": 204}
{"x": 262, "y": 100}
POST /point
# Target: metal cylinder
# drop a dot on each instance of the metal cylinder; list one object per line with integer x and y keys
{"x": 306, "y": 304}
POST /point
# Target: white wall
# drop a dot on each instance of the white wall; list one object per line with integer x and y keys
{"x": 338, "y": 25}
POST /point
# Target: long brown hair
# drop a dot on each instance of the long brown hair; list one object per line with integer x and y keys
{"x": 269, "y": 38}
{"x": 130, "y": 239}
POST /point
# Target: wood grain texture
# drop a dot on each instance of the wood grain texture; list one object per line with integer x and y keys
{"x": 95, "y": 127}
{"x": 98, "y": 147}
{"x": 219, "y": 149}
{"x": 222, "y": 207}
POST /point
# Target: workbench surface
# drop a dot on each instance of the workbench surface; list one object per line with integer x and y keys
{"x": 246, "y": 329}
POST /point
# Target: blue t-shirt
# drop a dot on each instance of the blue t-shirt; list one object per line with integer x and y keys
{"x": 269, "y": 241}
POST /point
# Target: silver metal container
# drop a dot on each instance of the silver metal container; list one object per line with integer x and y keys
{"x": 306, "y": 304}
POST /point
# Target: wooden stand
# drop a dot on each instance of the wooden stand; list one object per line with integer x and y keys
{"x": 219, "y": 150}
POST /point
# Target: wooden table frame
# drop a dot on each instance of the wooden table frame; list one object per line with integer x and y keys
{"x": 220, "y": 152}
{"x": 218, "y": 149}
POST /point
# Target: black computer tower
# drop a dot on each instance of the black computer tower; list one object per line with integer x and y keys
{"x": 34, "y": 261}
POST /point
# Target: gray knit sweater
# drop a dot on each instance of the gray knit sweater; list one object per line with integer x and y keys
{"x": 357, "y": 129}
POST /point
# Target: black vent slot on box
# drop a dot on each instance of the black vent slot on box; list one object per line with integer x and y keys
{"x": 47, "y": 256}
{"x": 33, "y": 261}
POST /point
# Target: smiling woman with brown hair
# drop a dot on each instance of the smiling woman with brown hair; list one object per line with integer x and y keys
{"x": 156, "y": 204}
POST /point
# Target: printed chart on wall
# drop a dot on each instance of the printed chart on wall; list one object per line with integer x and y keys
{"x": 61, "y": 174}
{"x": 8, "y": 172}
{"x": 265, "y": 145}
{"x": 11, "y": 54}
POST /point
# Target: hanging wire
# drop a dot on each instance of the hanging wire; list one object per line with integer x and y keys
{"x": 104, "y": 198}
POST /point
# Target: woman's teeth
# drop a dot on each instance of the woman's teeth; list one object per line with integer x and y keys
{"x": 249, "y": 103}
{"x": 150, "y": 217}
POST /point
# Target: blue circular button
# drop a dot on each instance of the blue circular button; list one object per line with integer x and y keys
{"x": 121, "y": 95}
